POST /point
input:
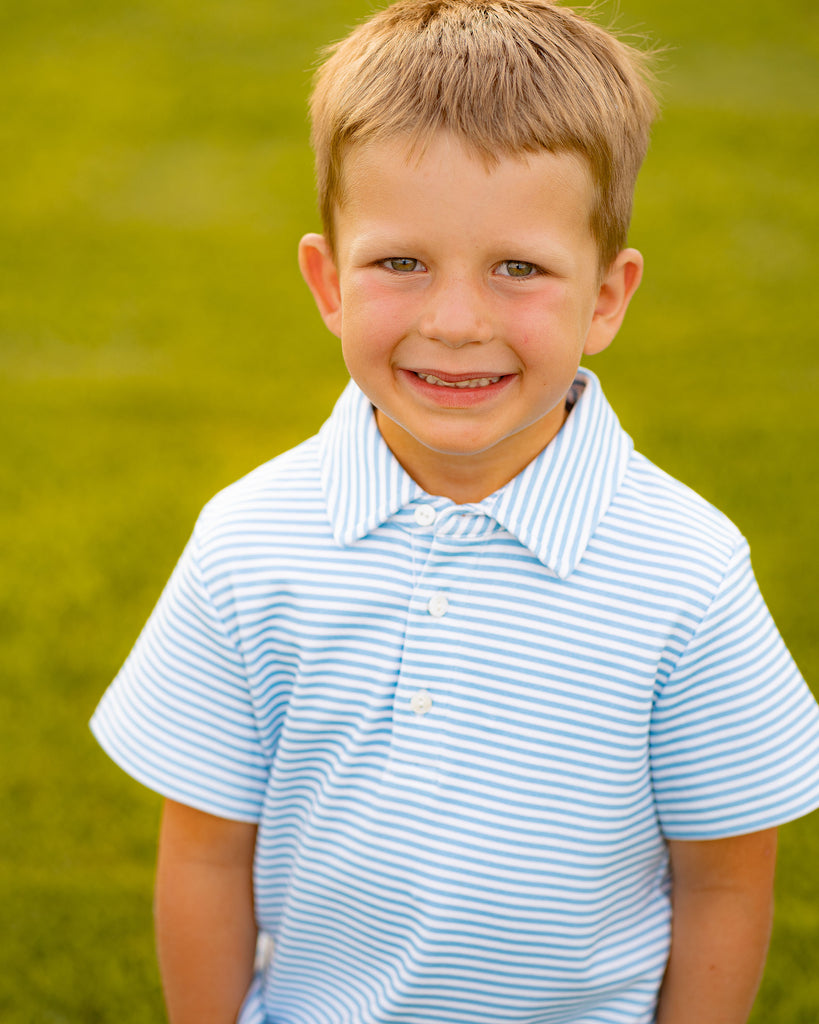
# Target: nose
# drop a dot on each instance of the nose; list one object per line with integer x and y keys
{"x": 456, "y": 314}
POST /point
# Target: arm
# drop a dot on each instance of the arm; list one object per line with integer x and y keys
{"x": 722, "y": 911}
{"x": 205, "y": 926}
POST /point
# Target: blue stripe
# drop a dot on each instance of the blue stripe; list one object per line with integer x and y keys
{"x": 605, "y": 677}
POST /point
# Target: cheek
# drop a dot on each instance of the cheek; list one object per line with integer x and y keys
{"x": 547, "y": 326}
{"x": 376, "y": 313}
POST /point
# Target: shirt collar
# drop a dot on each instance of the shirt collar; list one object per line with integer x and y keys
{"x": 553, "y": 506}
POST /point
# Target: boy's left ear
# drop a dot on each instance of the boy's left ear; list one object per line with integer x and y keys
{"x": 621, "y": 281}
{"x": 318, "y": 268}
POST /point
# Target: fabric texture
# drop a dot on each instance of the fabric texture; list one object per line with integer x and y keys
{"x": 466, "y": 731}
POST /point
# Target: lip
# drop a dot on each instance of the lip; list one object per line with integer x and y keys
{"x": 456, "y": 398}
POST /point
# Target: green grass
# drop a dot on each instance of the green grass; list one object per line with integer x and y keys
{"x": 156, "y": 342}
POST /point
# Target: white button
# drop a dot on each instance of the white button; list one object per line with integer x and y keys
{"x": 437, "y": 605}
{"x": 420, "y": 702}
{"x": 424, "y": 515}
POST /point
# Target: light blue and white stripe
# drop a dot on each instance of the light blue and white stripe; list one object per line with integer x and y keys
{"x": 466, "y": 731}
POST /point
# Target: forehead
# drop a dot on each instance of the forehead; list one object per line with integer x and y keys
{"x": 446, "y": 187}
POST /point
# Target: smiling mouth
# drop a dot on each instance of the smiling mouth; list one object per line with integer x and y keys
{"x": 469, "y": 382}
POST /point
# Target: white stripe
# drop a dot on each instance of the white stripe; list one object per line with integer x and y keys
{"x": 605, "y": 676}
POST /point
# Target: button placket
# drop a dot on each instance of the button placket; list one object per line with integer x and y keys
{"x": 415, "y": 746}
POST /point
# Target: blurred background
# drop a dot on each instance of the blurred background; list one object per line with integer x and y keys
{"x": 156, "y": 342}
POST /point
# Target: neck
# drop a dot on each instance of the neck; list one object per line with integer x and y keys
{"x": 465, "y": 478}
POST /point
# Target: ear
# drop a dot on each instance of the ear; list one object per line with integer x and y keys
{"x": 621, "y": 281}
{"x": 318, "y": 268}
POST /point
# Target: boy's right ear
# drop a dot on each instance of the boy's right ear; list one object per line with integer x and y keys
{"x": 318, "y": 268}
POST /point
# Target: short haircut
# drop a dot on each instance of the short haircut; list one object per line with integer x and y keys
{"x": 506, "y": 78}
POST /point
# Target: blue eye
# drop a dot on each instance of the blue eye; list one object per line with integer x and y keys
{"x": 519, "y": 268}
{"x": 403, "y": 264}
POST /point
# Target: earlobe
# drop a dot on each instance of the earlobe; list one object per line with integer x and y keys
{"x": 318, "y": 268}
{"x": 619, "y": 285}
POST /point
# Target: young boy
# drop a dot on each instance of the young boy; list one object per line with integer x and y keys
{"x": 472, "y": 709}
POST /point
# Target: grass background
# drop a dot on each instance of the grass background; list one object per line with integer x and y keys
{"x": 156, "y": 342}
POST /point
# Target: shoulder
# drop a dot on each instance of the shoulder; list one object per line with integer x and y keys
{"x": 280, "y": 495}
{"x": 656, "y": 495}
{"x": 661, "y": 518}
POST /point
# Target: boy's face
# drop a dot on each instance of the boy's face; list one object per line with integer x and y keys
{"x": 464, "y": 298}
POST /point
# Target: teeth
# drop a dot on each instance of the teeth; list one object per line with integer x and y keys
{"x": 474, "y": 382}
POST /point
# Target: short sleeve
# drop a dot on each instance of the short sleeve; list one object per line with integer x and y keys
{"x": 734, "y": 742}
{"x": 179, "y": 717}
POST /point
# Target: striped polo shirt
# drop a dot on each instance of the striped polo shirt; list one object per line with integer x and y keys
{"x": 465, "y": 731}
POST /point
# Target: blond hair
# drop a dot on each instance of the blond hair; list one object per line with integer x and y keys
{"x": 506, "y": 77}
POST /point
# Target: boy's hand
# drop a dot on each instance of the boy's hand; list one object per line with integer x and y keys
{"x": 205, "y": 926}
{"x": 722, "y": 911}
